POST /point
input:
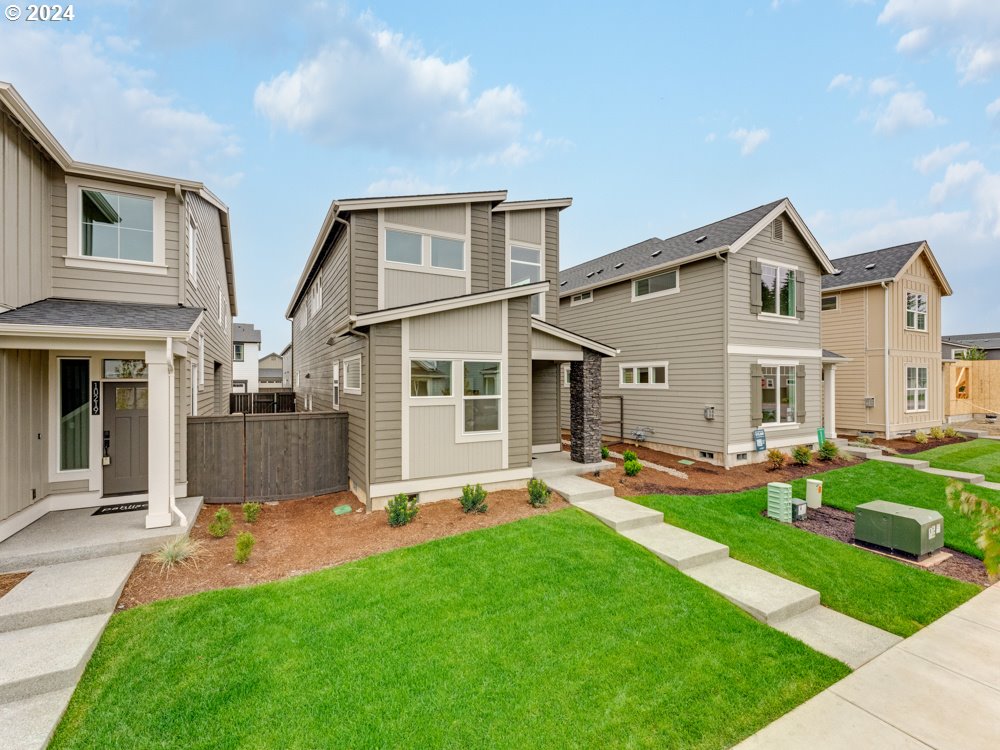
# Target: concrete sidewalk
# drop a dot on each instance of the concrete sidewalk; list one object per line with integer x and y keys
{"x": 938, "y": 689}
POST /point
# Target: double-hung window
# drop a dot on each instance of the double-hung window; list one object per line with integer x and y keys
{"x": 336, "y": 384}
{"x": 526, "y": 268}
{"x": 646, "y": 375}
{"x": 916, "y": 389}
{"x": 916, "y": 311}
{"x": 777, "y": 290}
{"x": 426, "y": 250}
{"x": 481, "y": 396}
{"x": 655, "y": 286}
{"x": 778, "y": 394}
{"x": 237, "y": 352}
{"x": 430, "y": 378}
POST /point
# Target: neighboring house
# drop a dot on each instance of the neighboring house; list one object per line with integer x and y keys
{"x": 882, "y": 310}
{"x": 952, "y": 350}
{"x": 988, "y": 342}
{"x": 430, "y": 321}
{"x": 719, "y": 333}
{"x": 116, "y": 293}
{"x": 286, "y": 367}
{"x": 246, "y": 352}
{"x": 269, "y": 372}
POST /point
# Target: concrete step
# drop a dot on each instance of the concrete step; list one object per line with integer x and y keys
{"x": 29, "y": 723}
{"x": 995, "y": 486}
{"x": 765, "y": 596}
{"x": 66, "y": 591}
{"x": 621, "y": 515}
{"x": 964, "y": 476}
{"x": 577, "y": 489}
{"x": 834, "y": 634}
{"x": 857, "y": 450}
{"x": 549, "y": 465}
{"x": 913, "y": 463}
{"x": 47, "y": 657}
{"x": 678, "y": 547}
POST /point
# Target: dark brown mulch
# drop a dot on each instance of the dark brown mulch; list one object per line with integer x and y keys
{"x": 839, "y": 524}
{"x": 906, "y": 445}
{"x": 10, "y": 580}
{"x": 298, "y": 536}
{"x": 704, "y": 478}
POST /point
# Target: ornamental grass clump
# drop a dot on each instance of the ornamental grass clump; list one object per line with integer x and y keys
{"x": 538, "y": 493}
{"x": 473, "y": 499}
{"x": 401, "y": 509}
{"x": 950, "y": 432}
{"x": 921, "y": 437}
{"x": 181, "y": 550}
{"x": 222, "y": 523}
{"x": 936, "y": 433}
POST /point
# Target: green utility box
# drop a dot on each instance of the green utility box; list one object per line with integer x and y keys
{"x": 899, "y": 528}
{"x": 779, "y": 501}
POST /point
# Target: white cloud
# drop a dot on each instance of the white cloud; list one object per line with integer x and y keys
{"x": 398, "y": 181}
{"x": 906, "y": 110}
{"x": 993, "y": 109}
{"x": 844, "y": 81}
{"x": 710, "y": 138}
{"x": 956, "y": 177}
{"x": 749, "y": 140}
{"x": 883, "y": 86}
{"x": 914, "y": 42}
{"x": 939, "y": 157}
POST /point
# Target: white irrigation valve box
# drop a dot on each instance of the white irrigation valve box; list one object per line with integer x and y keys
{"x": 814, "y": 493}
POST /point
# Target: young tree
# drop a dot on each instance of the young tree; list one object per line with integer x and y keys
{"x": 971, "y": 354}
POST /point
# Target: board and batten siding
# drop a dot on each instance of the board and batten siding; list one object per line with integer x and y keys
{"x": 518, "y": 383}
{"x": 24, "y": 383}
{"x": 545, "y": 429}
{"x": 470, "y": 329}
{"x": 25, "y": 217}
{"x": 386, "y": 383}
{"x": 686, "y": 330}
{"x": 411, "y": 287}
{"x": 434, "y": 451}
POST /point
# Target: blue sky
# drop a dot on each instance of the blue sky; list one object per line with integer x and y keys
{"x": 880, "y": 120}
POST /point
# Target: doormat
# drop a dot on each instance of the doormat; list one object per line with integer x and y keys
{"x": 105, "y": 510}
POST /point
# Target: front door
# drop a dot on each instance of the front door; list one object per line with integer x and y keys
{"x": 126, "y": 431}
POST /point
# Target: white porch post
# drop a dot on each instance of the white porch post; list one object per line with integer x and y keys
{"x": 161, "y": 443}
{"x": 830, "y": 400}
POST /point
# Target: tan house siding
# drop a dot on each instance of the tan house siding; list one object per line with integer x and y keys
{"x": 498, "y": 251}
{"x": 448, "y": 218}
{"x": 356, "y": 406}
{"x": 24, "y": 382}
{"x": 386, "y": 382}
{"x": 518, "y": 383}
{"x": 470, "y": 329}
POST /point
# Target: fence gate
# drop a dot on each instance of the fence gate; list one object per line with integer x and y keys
{"x": 261, "y": 403}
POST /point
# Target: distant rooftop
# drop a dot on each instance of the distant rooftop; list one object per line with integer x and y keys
{"x": 871, "y": 267}
{"x": 245, "y": 333}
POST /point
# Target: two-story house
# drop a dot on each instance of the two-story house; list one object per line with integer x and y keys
{"x": 431, "y": 321}
{"x": 719, "y": 334}
{"x": 882, "y": 310}
{"x": 246, "y": 358}
{"x": 116, "y": 297}
{"x": 269, "y": 372}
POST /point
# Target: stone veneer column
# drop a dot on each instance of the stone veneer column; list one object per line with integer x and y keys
{"x": 585, "y": 408}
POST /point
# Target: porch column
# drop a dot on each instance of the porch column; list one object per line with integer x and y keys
{"x": 830, "y": 400}
{"x": 160, "y": 441}
{"x": 585, "y": 408}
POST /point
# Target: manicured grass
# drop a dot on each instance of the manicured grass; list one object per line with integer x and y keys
{"x": 876, "y": 480}
{"x": 977, "y": 456}
{"x": 885, "y": 593}
{"x": 548, "y": 632}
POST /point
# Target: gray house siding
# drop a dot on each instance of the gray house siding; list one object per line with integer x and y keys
{"x": 411, "y": 287}
{"x": 364, "y": 261}
{"x": 545, "y": 403}
{"x": 482, "y": 277}
{"x": 24, "y": 378}
{"x": 552, "y": 265}
{"x": 356, "y": 406}
{"x": 385, "y": 376}
{"x": 518, "y": 383}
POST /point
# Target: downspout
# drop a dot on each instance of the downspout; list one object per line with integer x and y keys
{"x": 171, "y": 424}
{"x": 885, "y": 359}
{"x": 726, "y": 460}
{"x": 368, "y": 413}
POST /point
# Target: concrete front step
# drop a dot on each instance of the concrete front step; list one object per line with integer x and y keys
{"x": 913, "y": 463}
{"x": 29, "y": 723}
{"x": 765, "y": 596}
{"x": 857, "y": 450}
{"x": 66, "y": 591}
{"x": 550, "y": 465}
{"x": 851, "y": 641}
{"x": 964, "y": 476}
{"x": 577, "y": 489}
{"x": 621, "y": 515}
{"x": 677, "y": 547}
{"x": 47, "y": 657}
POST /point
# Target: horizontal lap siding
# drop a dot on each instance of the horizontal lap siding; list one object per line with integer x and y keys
{"x": 686, "y": 330}
{"x": 741, "y": 429}
{"x": 24, "y": 406}
{"x": 364, "y": 261}
{"x": 518, "y": 383}
{"x": 552, "y": 265}
{"x": 482, "y": 279}
{"x": 498, "y": 251}
{"x": 854, "y": 330}
{"x": 387, "y": 399}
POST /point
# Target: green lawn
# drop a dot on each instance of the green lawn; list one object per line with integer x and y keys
{"x": 548, "y": 632}
{"x": 876, "y": 480}
{"x": 977, "y": 456}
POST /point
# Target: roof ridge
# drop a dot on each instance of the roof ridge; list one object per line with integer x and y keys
{"x": 727, "y": 218}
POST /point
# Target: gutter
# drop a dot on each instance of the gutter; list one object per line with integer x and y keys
{"x": 726, "y": 460}
{"x": 171, "y": 423}
{"x": 885, "y": 346}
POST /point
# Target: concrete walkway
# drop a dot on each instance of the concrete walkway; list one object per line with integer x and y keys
{"x": 938, "y": 689}
{"x": 776, "y": 601}
{"x": 925, "y": 466}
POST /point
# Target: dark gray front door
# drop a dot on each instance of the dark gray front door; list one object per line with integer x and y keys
{"x": 126, "y": 431}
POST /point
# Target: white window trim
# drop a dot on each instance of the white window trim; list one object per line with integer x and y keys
{"x": 531, "y": 246}
{"x": 926, "y": 389}
{"x": 836, "y": 305}
{"x": 243, "y": 351}
{"x": 564, "y": 375}
{"x": 337, "y": 388}
{"x": 201, "y": 361}
{"x": 644, "y": 386}
{"x": 779, "y": 426}
{"x": 580, "y": 299}
{"x": 656, "y": 295}
{"x": 194, "y": 389}
{"x": 762, "y": 315}
{"x": 193, "y": 249}
{"x": 431, "y": 400}
{"x": 75, "y": 258}
{"x": 361, "y": 381}
{"x": 500, "y": 398}
{"x": 926, "y": 314}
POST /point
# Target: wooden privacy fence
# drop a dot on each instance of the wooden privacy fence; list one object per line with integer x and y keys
{"x": 261, "y": 403}
{"x": 266, "y": 456}
{"x": 972, "y": 387}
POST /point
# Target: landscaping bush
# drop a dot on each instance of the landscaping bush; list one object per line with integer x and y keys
{"x": 629, "y": 456}
{"x": 950, "y": 432}
{"x": 828, "y": 451}
{"x": 251, "y": 512}
{"x": 473, "y": 499}
{"x": 605, "y": 452}
{"x": 803, "y": 455}
{"x": 776, "y": 458}
{"x": 937, "y": 433}
{"x": 222, "y": 524}
{"x": 986, "y": 516}
{"x": 864, "y": 441}
{"x": 401, "y": 509}
{"x": 244, "y": 546}
{"x": 538, "y": 493}
{"x": 632, "y": 467}
{"x": 920, "y": 436}
{"x": 181, "y": 550}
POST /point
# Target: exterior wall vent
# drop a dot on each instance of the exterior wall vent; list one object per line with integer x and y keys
{"x": 869, "y": 402}
{"x": 778, "y": 229}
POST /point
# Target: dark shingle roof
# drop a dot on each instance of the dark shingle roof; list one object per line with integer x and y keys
{"x": 982, "y": 340}
{"x": 827, "y": 354}
{"x": 92, "y": 314}
{"x": 639, "y": 257}
{"x": 888, "y": 262}
{"x": 245, "y": 333}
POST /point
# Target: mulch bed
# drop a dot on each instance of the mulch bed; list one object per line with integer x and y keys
{"x": 704, "y": 478}
{"x": 906, "y": 445}
{"x": 298, "y": 536}
{"x": 839, "y": 524}
{"x": 10, "y": 580}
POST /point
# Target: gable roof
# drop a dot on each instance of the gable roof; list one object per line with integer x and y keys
{"x": 124, "y": 317}
{"x": 725, "y": 235}
{"x": 981, "y": 340}
{"x": 876, "y": 266}
{"x": 245, "y": 333}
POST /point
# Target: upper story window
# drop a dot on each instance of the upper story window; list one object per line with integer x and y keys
{"x": 526, "y": 268}
{"x": 777, "y": 290}
{"x": 655, "y": 286}
{"x": 425, "y": 250}
{"x": 581, "y": 299}
{"x": 314, "y": 299}
{"x": 916, "y": 311}
{"x": 237, "y": 352}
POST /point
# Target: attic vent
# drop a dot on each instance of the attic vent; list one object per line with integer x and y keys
{"x": 600, "y": 270}
{"x": 590, "y": 274}
{"x": 619, "y": 265}
{"x": 777, "y": 229}
{"x": 870, "y": 266}
{"x": 701, "y": 239}
{"x": 563, "y": 283}
{"x": 653, "y": 255}
{"x": 837, "y": 272}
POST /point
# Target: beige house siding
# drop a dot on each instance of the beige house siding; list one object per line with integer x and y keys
{"x": 518, "y": 383}
{"x": 386, "y": 379}
{"x": 447, "y": 218}
{"x": 498, "y": 250}
{"x": 434, "y": 452}
{"x": 469, "y": 329}
{"x": 541, "y": 341}
{"x": 356, "y": 406}
{"x": 24, "y": 383}
{"x": 411, "y": 287}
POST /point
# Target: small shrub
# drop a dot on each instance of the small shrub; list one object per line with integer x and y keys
{"x": 244, "y": 546}
{"x": 181, "y": 550}
{"x": 401, "y": 509}
{"x": 776, "y": 458}
{"x": 864, "y": 441}
{"x": 920, "y": 436}
{"x": 222, "y": 524}
{"x": 632, "y": 467}
{"x": 828, "y": 451}
{"x": 629, "y": 456}
{"x": 473, "y": 499}
{"x": 950, "y": 432}
{"x": 605, "y": 452}
{"x": 538, "y": 493}
{"x": 936, "y": 433}
{"x": 803, "y": 455}
{"x": 251, "y": 512}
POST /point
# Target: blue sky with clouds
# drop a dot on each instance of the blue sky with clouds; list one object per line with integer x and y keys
{"x": 880, "y": 120}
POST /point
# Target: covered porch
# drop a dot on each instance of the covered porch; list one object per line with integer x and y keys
{"x": 830, "y": 360}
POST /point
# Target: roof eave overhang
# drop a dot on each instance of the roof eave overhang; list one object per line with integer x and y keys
{"x": 324, "y": 231}
{"x": 676, "y": 263}
{"x": 559, "y": 203}
{"x": 857, "y": 285}
{"x": 408, "y": 201}
{"x": 574, "y": 338}
{"x": 97, "y": 332}
{"x": 925, "y": 249}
